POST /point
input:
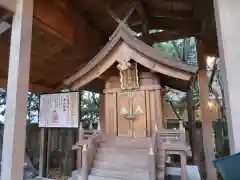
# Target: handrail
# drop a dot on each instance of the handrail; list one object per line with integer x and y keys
{"x": 174, "y": 142}
{"x": 89, "y": 152}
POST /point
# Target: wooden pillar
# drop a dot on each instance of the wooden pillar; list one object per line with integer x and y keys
{"x": 205, "y": 115}
{"x": 79, "y": 151}
{"x": 164, "y": 123}
{"x": 192, "y": 128}
{"x": 183, "y": 160}
{"x": 43, "y": 149}
{"x": 102, "y": 111}
{"x": 18, "y": 80}
{"x": 227, "y": 21}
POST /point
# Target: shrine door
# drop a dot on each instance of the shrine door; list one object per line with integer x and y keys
{"x": 132, "y": 119}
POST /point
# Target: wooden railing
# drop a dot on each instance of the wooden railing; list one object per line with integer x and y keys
{"x": 153, "y": 153}
{"x": 174, "y": 143}
{"x": 84, "y": 137}
{"x": 88, "y": 153}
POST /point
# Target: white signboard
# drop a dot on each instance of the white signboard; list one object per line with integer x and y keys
{"x": 59, "y": 110}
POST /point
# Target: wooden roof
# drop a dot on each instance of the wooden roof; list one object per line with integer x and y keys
{"x": 125, "y": 46}
{"x": 67, "y": 34}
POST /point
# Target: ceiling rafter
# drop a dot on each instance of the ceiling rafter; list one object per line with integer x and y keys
{"x": 77, "y": 7}
{"x": 144, "y": 18}
{"x": 32, "y": 87}
{"x": 61, "y": 21}
{"x": 171, "y": 35}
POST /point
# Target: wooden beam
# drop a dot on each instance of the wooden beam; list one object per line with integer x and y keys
{"x": 207, "y": 128}
{"x": 142, "y": 13}
{"x": 171, "y": 24}
{"x": 45, "y": 58}
{"x": 78, "y": 7}
{"x": 170, "y": 35}
{"x": 32, "y": 87}
{"x": 145, "y": 27}
{"x": 63, "y": 22}
{"x": 53, "y": 20}
{"x": 175, "y": 6}
{"x": 170, "y": 14}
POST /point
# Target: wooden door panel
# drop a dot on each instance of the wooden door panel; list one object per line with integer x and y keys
{"x": 139, "y": 107}
{"x": 124, "y": 125}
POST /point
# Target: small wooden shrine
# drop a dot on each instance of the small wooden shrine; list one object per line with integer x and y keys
{"x": 134, "y": 75}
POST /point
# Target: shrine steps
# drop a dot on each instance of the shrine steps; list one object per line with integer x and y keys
{"x": 120, "y": 158}
{"x": 127, "y": 143}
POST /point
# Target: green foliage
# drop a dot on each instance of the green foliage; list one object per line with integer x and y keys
{"x": 32, "y": 107}
{"x": 184, "y": 50}
{"x": 3, "y": 95}
{"x": 89, "y": 108}
{"x": 166, "y": 47}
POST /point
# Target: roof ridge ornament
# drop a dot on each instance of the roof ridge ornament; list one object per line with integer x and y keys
{"x": 126, "y": 17}
{"x": 122, "y": 24}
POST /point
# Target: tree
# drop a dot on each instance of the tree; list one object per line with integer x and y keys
{"x": 90, "y": 108}
{"x": 3, "y": 95}
{"x": 32, "y": 107}
{"x": 185, "y": 51}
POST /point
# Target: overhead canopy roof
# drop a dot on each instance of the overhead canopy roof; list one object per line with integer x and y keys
{"x": 125, "y": 46}
{"x": 69, "y": 33}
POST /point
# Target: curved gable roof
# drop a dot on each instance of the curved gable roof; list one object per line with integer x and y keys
{"x": 124, "y": 45}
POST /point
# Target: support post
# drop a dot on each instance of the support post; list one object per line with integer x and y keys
{"x": 79, "y": 152}
{"x": 183, "y": 167}
{"x": 49, "y": 142}
{"x": 205, "y": 115}
{"x": 43, "y": 150}
{"x": 18, "y": 81}
{"x": 85, "y": 162}
{"x": 152, "y": 168}
{"x": 192, "y": 127}
{"x": 102, "y": 111}
{"x": 227, "y": 21}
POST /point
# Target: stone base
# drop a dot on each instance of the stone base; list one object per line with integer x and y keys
{"x": 42, "y": 178}
{"x": 173, "y": 173}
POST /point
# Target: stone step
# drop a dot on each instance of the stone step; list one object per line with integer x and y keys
{"x": 128, "y": 155}
{"x": 120, "y": 167}
{"x": 93, "y": 177}
{"x": 126, "y": 175}
{"x": 124, "y": 145}
{"x": 122, "y": 159}
{"x": 122, "y": 150}
{"x": 76, "y": 175}
{"x": 140, "y": 143}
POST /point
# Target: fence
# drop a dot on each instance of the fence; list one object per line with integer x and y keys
{"x": 59, "y": 153}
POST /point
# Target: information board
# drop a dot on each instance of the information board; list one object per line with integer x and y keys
{"x": 59, "y": 110}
